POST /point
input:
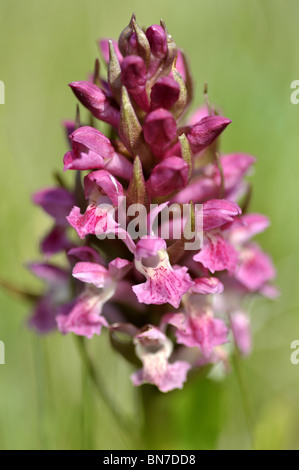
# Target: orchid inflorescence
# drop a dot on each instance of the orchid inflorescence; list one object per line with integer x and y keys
{"x": 167, "y": 308}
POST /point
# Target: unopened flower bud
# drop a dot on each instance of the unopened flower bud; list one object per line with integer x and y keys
{"x": 157, "y": 39}
{"x": 95, "y": 100}
{"x": 164, "y": 93}
{"x": 202, "y": 134}
{"x": 159, "y": 130}
{"x": 168, "y": 176}
{"x": 133, "y": 77}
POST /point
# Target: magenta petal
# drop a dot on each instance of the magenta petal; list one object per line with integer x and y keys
{"x": 157, "y": 38}
{"x": 164, "y": 284}
{"x": 173, "y": 377}
{"x": 92, "y": 273}
{"x": 154, "y": 350}
{"x": 251, "y": 224}
{"x": 241, "y": 330}
{"x": 149, "y": 246}
{"x": 57, "y": 202}
{"x": 165, "y": 93}
{"x": 256, "y": 268}
{"x": 200, "y": 330}
{"x": 90, "y": 150}
{"x": 202, "y": 134}
{"x": 217, "y": 212}
{"x": 169, "y": 175}
{"x": 49, "y": 272}
{"x": 106, "y": 183}
{"x": 159, "y": 130}
{"x": 198, "y": 115}
{"x": 43, "y": 316}
{"x": 134, "y": 77}
{"x": 217, "y": 254}
{"x": 207, "y": 285}
{"x": 235, "y": 166}
{"x": 96, "y": 220}
{"x": 118, "y": 268}
{"x": 95, "y": 100}
{"x": 85, "y": 253}
{"x": 82, "y": 316}
{"x": 55, "y": 241}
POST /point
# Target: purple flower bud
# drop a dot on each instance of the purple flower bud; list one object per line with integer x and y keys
{"x": 169, "y": 175}
{"x": 164, "y": 93}
{"x": 132, "y": 45}
{"x": 95, "y": 100}
{"x": 157, "y": 38}
{"x": 133, "y": 77}
{"x": 125, "y": 37}
{"x": 202, "y": 134}
{"x": 159, "y": 130}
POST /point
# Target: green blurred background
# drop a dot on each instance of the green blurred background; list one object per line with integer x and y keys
{"x": 248, "y": 52}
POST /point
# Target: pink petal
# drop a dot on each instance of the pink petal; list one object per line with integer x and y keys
{"x": 106, "y": 183}
{"x": 241, "y": 330}
{"x": 217, "y": 212}
{"x": 164, "y": 284}
{"x": 207, "y": 285}
{"x": 82, "y": 317}
{"x": 57, "y": 202}
{"x": 92, "y": 273}
{"x": 97, "y": 220}
{"x": 256, "y": 268}
{"x": 217, "y": 254}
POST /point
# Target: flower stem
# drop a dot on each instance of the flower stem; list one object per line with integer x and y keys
{"x": 127, "y": 431}
{"x": 244, "y": 396}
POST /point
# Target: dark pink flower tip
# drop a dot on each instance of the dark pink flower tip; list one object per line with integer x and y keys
{"x": 159, "y": 130}
{"x": 43, "y": 317}
{"x": 104, "y": 48}
{"x": 85, "y": 253}
{"x": 164, "y": 93}
{"x": 95, "y": 100}
{"x": 133, "y": 73}
{"x": 57, "y": 202}
{"x": 168, "y": 176}
{"x": 55, "y": 241}
{"x": 202, "y": 134}
{"x": 90, "y": 150}
{"x": 157, "y": 39}
{"x": 92, "y": 273}
{"x": 217, "y": 212}
{"x": 133, "y": 77}
{"x": 49, "y": 272}
{"x": 132, "y": 45}
{"x": 69, "y": 127}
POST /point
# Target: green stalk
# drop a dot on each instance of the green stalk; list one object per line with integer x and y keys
{"x": 244, "y": 395}
{"x": 127, "y": 430}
